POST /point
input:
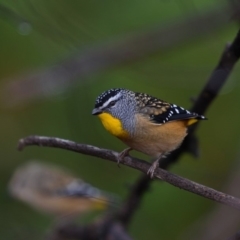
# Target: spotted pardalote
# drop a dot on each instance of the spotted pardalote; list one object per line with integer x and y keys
{"x": 143, "y": 122}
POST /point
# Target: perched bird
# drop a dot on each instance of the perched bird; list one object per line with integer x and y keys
{"x": 145, "y": 123}
{"x": 52, "y": 190}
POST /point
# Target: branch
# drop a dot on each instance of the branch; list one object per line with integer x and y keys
{"x": 100, "y": 57}
{"x": 223, "y": 69}
{"x": 135, "y": 163}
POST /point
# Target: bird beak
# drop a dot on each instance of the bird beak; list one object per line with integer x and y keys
{"x": 96, "y": 111}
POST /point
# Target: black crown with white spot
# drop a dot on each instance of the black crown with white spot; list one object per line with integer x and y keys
{"x": 106, "y": 95}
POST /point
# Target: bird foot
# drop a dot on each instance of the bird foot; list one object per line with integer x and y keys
{"x": 122, "y": 155}
{"x": 152, "y": 169}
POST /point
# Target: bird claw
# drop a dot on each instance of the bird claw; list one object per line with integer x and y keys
{"x": 122, "y": 155}
{"x": 150, "y": 172}
{"x": 152, "y": 169}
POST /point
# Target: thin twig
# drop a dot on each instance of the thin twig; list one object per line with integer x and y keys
{"x": 223, "y": 69}
{"x": 135, "y": 163}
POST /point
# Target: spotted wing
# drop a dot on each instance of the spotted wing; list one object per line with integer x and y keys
{"x": 161, "y": 112}
{"x": 175, "y": 113}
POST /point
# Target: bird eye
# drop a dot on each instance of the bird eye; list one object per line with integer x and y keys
{"x": 111, "y": 104}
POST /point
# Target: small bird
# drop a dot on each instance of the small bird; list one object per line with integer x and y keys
{"x": 143, "y": 122}
{"x": 52, "y": 190}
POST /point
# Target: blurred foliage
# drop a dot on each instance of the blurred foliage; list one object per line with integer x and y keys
{"x": 60, "y": 28}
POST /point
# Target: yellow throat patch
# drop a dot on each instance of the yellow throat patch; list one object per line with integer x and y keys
{"x": 113, "y": 125}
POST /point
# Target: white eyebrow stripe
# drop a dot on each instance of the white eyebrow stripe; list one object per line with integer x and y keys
{"x": 113, "y": 98}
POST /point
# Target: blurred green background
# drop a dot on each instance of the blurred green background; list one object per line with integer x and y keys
{"x": 47, "y": 32}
